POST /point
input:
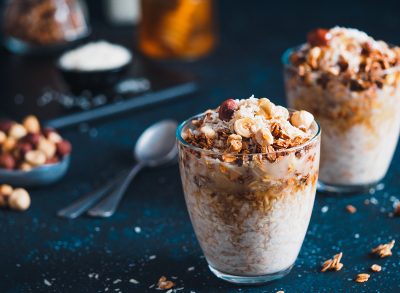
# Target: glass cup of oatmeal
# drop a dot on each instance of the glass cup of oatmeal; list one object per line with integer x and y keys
{"x": 249, "y": 171}
{"x": 350, "y": 83}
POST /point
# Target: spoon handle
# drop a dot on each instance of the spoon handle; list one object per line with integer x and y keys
{"x": 81, "y": 205}
{"x": 108, "y": 206}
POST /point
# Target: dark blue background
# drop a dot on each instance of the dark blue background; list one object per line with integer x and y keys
{"x": 36, "y": 245}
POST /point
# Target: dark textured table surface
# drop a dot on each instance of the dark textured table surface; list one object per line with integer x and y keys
{"x": 151, "y": 234}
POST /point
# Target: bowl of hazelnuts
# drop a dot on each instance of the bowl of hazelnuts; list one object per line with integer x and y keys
{"x": 31, "y": 155}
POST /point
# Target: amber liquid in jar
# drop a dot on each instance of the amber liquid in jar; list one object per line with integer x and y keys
{"x": 176, "y": 28}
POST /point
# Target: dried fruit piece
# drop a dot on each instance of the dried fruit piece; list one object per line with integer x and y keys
{"x": 361, "y": 278}
{"x": 384, "y": 250}
{"x": 227, "y": 109}
{"x": 333, "y": 264}
{"x": 376, "y": 268}
{"x": 318, "y": 37}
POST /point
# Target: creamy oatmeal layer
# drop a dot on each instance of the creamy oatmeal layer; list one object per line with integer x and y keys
{"x": 249, "y": 170}
{"x": 350, "y": 82}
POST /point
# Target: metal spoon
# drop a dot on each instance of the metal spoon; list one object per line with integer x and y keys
{"x": 156, "y": 146}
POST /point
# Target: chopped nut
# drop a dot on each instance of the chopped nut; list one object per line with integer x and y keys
{"x": 17, "y": 131}
{"x": 333, "y": 264}
{"x": 164, "y": 284}
{"x": 384, "y": 250}
{"x": 361, "y": 278}
{"x": 264, "y": 137}
{"x": 376, "y": 268}
{"x": 267, "y": 108}
{"x": 302, "y": 119}
{"x": 351, "y": 209}
{"x": 208, "y": 132}
{"x": 235, "y": 142}
{"x": 242, "y": 127}
{"x": 19, "y": 199}
{"x": 35, "y": 157}
{"x": 31, "y": 124}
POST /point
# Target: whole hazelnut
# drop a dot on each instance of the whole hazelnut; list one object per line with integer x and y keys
{"x": 9, "y": 144}
{"x": 17, "y": 131}
{"x": 226, "y": 109}
{"x": 25, "y": 166}
{"x": 35, "y": 157}
{"x": 47, "y": 147}
{"x": 64, "y": 148}
{"x": 7, "y": 161}
{"x": 19, "y": 200}
{"x": 31, "y": 124}
{"x": 5, "y": 189}
{"x": 32, "y": 138}
{"x": 3, "y": 137}
{"x": 5, "y": 125}
{"x": 318, "y": 37}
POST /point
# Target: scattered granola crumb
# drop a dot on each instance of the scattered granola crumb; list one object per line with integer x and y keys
{"x": 46, "y": 282}
{"x": 190, "y": 269}
{"x": 351, "y": 209}
{"x": 324, "y": 209}
{"x": 361, "y": 278}
{"x": 117, "y": 281}
{"x": 133, "y": 281}
{"x": 384, "y": 250}
{"x": 138, "y": 229}
{"x": 164, "y": 284}
{"x": 151, "y": 257}
{"x": 376, "y": 268}
{"x": 333, "y": 264}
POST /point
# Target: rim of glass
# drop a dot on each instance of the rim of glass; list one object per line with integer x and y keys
{"x": 211, "y": 152}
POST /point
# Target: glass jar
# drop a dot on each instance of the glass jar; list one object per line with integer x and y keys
{"x": 177, "y": 28}
{"x": 30, "y": 25}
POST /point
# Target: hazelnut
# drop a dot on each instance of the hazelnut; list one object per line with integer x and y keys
{"x": 35, "y": 157}
{"x": 208, "y": 131}
{"x": 5, "y": 125}
{"x": 19, "y": 199}
{"x": 31, "y": 124}
{"x": 9, "y": 144}
{"x": 63, "y": 148}
{"x": 21, "y": 149}
{"x": 318, "y": 37}
{"x": 226, "y": 109}
{"x": 5, "y": 189}
{"x": 243, "y": 126}
{"x": 25, "y": 166}
{"x": 54, "y": 137}
{"x": 264, "y": 137}
{"x": 7, "y": 161}
{"x": 32, "y": 138}
{"x": 302, "y": 119}
{"x": 267, "y": 107}
{"x": 47, "y": 147}
{"x": 17, "y": 131}
{"x": 3, "y": 137}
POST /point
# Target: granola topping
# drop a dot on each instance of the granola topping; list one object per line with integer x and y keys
{"x": 376, "y": 268}
{"x": 164, "y": 283}
{"x": 361, "y": 278}
{"x": 333, "y": 264}
{"x": 384, "y": 250}
{"x": 353, "y": 57}
{"x": 250, "y": 126}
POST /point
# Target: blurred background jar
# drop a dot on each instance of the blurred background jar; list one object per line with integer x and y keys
{"x": 30, "y": 25}
{"x": 178, "y": 29}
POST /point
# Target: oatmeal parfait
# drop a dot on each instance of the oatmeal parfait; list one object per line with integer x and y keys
{"x": 249, "y": 170}
{"x": 350, "y": 82}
